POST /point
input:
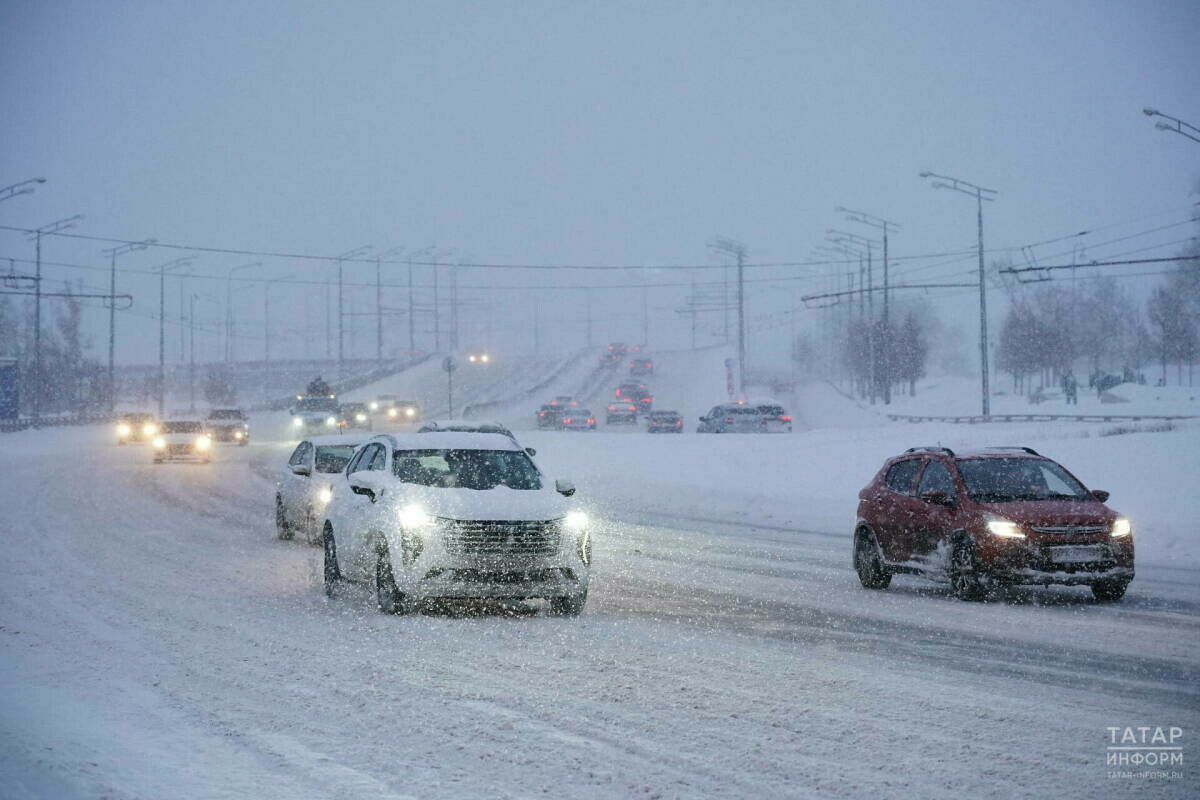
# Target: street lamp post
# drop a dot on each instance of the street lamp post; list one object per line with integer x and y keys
{"x": 980, "y": 194}
{"x": 230, "y": 325}
{"x": 163, "y": 269}
{"x": 848, "y": 243}
{"x": 24, "y": 187}
{"x": 885, "y": 226}
{"x": 1179, "y": 126}
{"x": 112, "y": 253}
{"x": 355, "y": 253}
{"x": 53, "y": 227}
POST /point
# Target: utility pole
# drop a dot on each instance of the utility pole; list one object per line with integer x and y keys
{"x": 885, "y": 226}
{"x": 454, "y": 308}
{"x": 847, "y": 242}
{"x": 112, "y": 253}
{"x": 739, "y": 250}
{"x": 53, "y": 227}
{"x": 355, "y": 253}
{"x": 163, "y": 269}
{"x": 980, "y": 194}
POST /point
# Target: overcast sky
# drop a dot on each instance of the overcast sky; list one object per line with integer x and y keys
{"x": 580, "y": 133}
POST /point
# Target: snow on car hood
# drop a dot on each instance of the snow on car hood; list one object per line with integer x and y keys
{"x": 1053, "y": 512}
{"x": 500, "y": 503}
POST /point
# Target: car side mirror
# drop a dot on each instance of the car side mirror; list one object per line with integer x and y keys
{"x": 531, "y": 452}
{"x": 936, "y": 497}
{"x": 301, "y": 469}
{"x": 704, "y": 419}
{"x": 565, "y": 488}
{"x": 1100, "y": 495}
{"x": 364, "y": 483}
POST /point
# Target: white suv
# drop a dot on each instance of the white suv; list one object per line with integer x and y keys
{"x": 455, "y": 515}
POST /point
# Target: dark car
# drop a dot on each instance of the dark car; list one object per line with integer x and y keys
{"x": 731, "y": 418}
{"x": 989, "y": 518}
{"x": 354, "y": 416}
{"x": 621, "y": 412}
{"x": 136, "y": 427}
{"x": 664, "y": 422}
{"x": 578, "y": 419}
{"x": 773, "y": 419}
{"x": 613, "y": 354}
{"x": 228, "y": 425}
{"x": 550, "y": 416}
{"x": 641, "y": 366}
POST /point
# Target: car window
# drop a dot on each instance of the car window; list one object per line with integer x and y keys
{"x": 901, "y": 475}
{"x": 467, "y": 469}
{"x": 377, "y": 458}
{"x": 333, "y": 458}
{"x": 182, "y": 427}
{"x": 1001, "y": 480}
{"x": 298, "y": 455}
{"x": 356, "y": 461}
{"x": 936, "y": 478}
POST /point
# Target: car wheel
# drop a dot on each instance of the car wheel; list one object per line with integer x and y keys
{"x": 1109, "y": 591}
{"x": 330, "y": 572}
{"x": 570, "y": 606}
{"x": 965, "y": 578}
{"x": 388, "y": 596}
{"x": 282, "y": 529}
{"x": 868, "y": 563}
{"x": 243, "y": 442}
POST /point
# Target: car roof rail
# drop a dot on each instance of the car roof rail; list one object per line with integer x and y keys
{"x": 931, "y": 448}
{"x": 1022, "y": 448}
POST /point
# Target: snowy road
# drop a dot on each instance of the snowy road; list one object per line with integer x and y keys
{"x": 157, "y": 641}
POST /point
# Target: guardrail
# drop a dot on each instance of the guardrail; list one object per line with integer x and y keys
{"x": 975, "y": 419}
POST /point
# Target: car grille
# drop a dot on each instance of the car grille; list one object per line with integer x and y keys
{"x": 500, "y": 538}
{"x": 1070, "y": 530}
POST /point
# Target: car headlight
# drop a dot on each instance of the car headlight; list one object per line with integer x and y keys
{"x": 1005, "y": 528}
{"x": 297, "y": 422}
{"x": 360, "y": 417}
{"x": 149, "y": 429}
{"x": 392, "y": 412}
{"x": 238, "y": 434}
{"x": 1120, "y": 527}
{"x": 575, "y": 520}
{"x": 374, "y": 406}
{"x": 410, "y": 412}
{"x": 325, "y": 495}
{"x": 414, "y": 517}
{"x": 331, "y": 421}
{"x": 123, "y": 430}
{"x": 159, "y": 443}
{"x": 203, "y": 442}
{"x": 485, "y": 358}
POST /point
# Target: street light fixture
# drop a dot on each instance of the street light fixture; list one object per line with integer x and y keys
{"x": 163, "y": 269}
{"x": 980, "y": 194}
{"x": 885, "y": 226}
{"x": 1177, "y": 127}
{"x": 9, "y": 192}
{"x": 737, "y": 249}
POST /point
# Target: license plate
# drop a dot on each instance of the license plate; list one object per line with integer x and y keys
{"x": 1076, "y": 555}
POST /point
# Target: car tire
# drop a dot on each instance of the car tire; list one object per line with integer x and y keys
{"x": 1109, "y": 591}
{"x": 330, "y": 573}
{"x": 388, "y": 596}
{"x": 243, "y": 442}
{"x": 965, "y": 579}
{"x": 283, "y": 529}
{"x": 868, "y": 562}
{"x": 569, "y": 606}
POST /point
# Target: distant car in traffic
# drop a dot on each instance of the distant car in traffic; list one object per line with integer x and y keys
{"x": 664, "y": 422}
{"x": 641, "y": 366}
{"x": 455, "y": 516}
{"x": 403, "y": 411}
{"x": 315, "y": 414}
{"x": 731, "y": 418}
{"x": 479, "y": 357}
{"x": 136, "y": 427}
{"x": 549, "y": 416}
{"x": 182, "y": 439}
{"x": 613, "y": 354}
{"x": 621, "y": 412}
{"x": 354, "y": 416}
{"x": 303, "y": 488}
{"x": 228, "y": 425}
{"x": 773, "y": 419}
{"x": 987, "y": 518}
{"x": 579, "y": 419}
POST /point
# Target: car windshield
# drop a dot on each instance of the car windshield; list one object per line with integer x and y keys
{"x": 333, "y": 457}
{"x": 226, "y": 413}
{"x": 316, "y": 404}
{"x": 182, "y": 427}
{"x": 466, "y": 469}
{"x": 771, "y": 411}
{"x": 1005, "y": 480}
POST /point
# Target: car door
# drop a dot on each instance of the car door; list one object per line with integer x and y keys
{"x": 294, "y": 487}
{"x": 343, "y": 509}
{"x": 936, "y": 520}
{"x": 364, "y": 508}
{"x": 891, "y": 506}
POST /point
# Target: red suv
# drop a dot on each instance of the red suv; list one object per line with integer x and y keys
{"x": 983, "y": 519}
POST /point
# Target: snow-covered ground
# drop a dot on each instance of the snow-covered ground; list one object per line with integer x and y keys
{"x": 156, "y": 640}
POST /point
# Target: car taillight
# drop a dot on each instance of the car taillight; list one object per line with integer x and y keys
{"x": 678, "y": 422}
{"x": 591, "y": 420}
{"x": 567, "y": 420}
{"x": 541, "y": 413}
{"x": 785, "y": 418}
{"x": 729, "y": 420}
{"x": 646, "y": 399}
